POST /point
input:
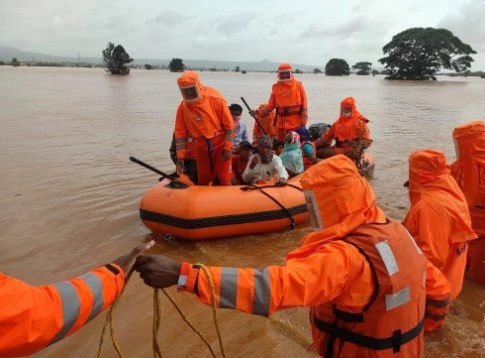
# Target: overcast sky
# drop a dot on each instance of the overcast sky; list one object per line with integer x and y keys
{"x": 305, "y": 31}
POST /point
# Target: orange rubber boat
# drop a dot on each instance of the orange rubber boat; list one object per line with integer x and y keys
{"x": 206, "y": 212}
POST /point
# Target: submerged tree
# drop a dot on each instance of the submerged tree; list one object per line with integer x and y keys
{"x": 176, "y": 65}
{"x": 115, "y": 59}
{"x": 337, "y": 67}
{"x": 418, "y": 53}
{"x": 15, "y": 62}
{"x": 317, "y": 70}
{"x": 363, "y": 68}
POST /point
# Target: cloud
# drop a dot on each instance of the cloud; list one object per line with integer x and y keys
{"x": 357, "y": 25}
{"x": 468, "y": 24}
{"x": 235, "y": 23}
{"x": 171, "y": 17}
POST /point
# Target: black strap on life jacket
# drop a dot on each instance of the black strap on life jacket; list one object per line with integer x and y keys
{"x": 395, "y": 341}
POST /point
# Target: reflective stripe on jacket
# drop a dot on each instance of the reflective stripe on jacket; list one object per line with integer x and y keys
{"x": 337, "y": 274}
{"x": 32, "y": 318}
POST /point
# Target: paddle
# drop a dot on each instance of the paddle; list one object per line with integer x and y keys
{"x": 257, "y": 121}
{"x": 183, "y": 179}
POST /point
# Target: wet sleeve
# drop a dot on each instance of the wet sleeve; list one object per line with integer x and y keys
{"x": 279, "y": 168}
{"x": 245, "y": 133}
{"x": 271, "y": 100}
{"x": 437, "y": 298}
{"x": 314, "y": 280}
{"x": 304, "y": 105}
{"x": 255, "y": 132}
{"x": 329, "y": 134}
{"x": 228, "y": 124}
{"x": 430, "y": 232}
{"x": 32, "y": 318}
{"x": 249, "y": 173}
{"x": 308, "y": 149}
{"x": 181, "y": 134}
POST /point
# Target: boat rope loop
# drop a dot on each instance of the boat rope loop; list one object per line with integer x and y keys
{"x": 260, "y": 189}
{"x": 157, "y": 318}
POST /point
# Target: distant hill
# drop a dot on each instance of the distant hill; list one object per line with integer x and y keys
{"x": 7, "y": 53}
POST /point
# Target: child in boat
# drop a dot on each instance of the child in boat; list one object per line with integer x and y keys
{"x": 240, "y": 162}
{"x": 265, "y": 165}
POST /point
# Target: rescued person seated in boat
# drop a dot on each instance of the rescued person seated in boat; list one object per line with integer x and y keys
{"x": 349, "y": 131}
{"x": 240, "y": 128}
{"x": 265, "y": 165}
{"x": 292, "y": 157}
{"x": 240, "y": 162}
{"x": 278, "y": 147}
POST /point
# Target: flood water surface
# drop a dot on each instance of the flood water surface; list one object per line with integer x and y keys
{"x": 69, "y": 195}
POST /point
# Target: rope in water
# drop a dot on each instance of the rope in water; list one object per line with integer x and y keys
{"x": 302, "y": 340}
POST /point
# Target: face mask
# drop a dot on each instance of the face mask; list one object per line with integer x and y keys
{"x": 284, "y": 76}
{"x": 291, "y": 146}
{"x": 190, "y": 93}
{"x": 313, "y": 210}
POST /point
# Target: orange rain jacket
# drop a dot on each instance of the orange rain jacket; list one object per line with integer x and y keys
{"x": 469, "y": 172}
{"x": 266, "y": 122}
{"x": 31, "y": 318}
{"x": 438, "y": 218}
{"x": 341, "y": 267}
{"x": 289, "y": 100}
{"x": 204, "y": 118}
{"x": 348, "y": 128}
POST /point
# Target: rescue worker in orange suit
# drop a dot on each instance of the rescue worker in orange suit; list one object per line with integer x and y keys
{"x": 362, "y": 274}
{"x": 267, "y": 124}
{"x": 438, "y": 218}
{"x": 349, "y": 131}
{"x": 288, "y": 98}
{"x": 469, "y": 172}
{"x": 34, "y": 317}
{"x": 204, "y": 115}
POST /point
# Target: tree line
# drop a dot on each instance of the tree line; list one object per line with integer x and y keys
{"x": 414, "y": 54}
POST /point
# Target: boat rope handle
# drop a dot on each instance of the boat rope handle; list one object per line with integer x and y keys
{"x": 255, "y": 187}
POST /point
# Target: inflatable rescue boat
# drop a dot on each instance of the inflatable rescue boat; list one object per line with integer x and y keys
{"x": 206, "y": 212}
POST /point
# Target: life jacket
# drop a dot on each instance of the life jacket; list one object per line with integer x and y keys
{"x": 307, "y": 162}
{"x": 290, "y": 104}
{"x": 391, "y": 325}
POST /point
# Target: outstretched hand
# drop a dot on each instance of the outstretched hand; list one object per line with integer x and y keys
{"x": 158, "y": 271}
{"x": 125, "y": 261}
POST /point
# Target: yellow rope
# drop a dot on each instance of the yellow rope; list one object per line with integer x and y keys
{"x": 184, "y": 317}
{"x": 156, "y": 324}
{"x": 214, "y": 304}
{"x": 303, "y": 340}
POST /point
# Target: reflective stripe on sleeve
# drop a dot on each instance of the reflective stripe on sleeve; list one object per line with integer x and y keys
{"x": 398, "y": 299}
{"x": 261, "y": 292}
{"x": 181, "y": 140}
{"x": 438, "y": 303}
{"x": 228, "y": 293}
{"x": 71, "y": 305}
{"x": 180, "y": 146}
{"x": 387, "y": 257}
{"x": 96, "y": 286}
{"x": 435, "y": 317}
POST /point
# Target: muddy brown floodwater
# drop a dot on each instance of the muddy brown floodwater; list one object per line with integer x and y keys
{"x": 69, "y": 195}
